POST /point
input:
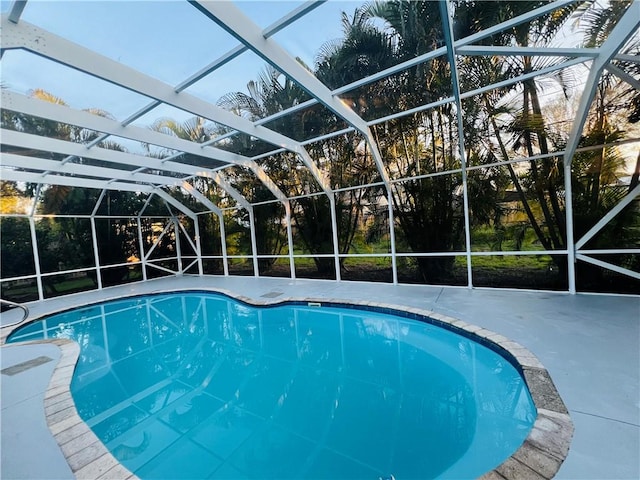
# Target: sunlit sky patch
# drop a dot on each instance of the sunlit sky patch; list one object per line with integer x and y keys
{"x": 169, "y": 40}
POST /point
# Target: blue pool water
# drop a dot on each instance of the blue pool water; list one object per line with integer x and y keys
{"x": 200, "y": 385}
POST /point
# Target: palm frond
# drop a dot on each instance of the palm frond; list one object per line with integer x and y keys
{"x": 41, "y": 94}
{"x": 99, "y": 112}
{"x": 597, "y": 20}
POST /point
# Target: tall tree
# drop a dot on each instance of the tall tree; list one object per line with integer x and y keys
{"x": 529, "y": 133}
{"x": 339, "y": 158}
{"x": 519, "y": 124}
{"x": 428, "y": 210}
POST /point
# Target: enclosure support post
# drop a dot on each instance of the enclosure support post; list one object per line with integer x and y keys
{"x": 292, "y": 263}
{"x": 34, "y": 242}
{"x": 392, "y": 236}
{"x": 447, "y": 26}
{"x": 196, "y": 231}
{"x": 94, "y": 237}
{"x": 176, "y": 232}
{"x": 96, "y": 256}
{"x": 626, "y": 27}
{"x": 143, "y": 257}
{"x": 254, "y": 243}
{"x": 334, "y": 232}
{"x": 36, "y": 257}
{"x": 223, "y": 246}
{"x": 571, "y": 247}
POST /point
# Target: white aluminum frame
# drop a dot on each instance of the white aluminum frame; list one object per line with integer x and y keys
{"x": 17, "y": 34}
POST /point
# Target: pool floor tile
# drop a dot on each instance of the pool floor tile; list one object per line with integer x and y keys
{"x": 330, "y": 465}
{"x": 274, "y": 453}
{"x": 224, "y": 432}
{"x": 137, "y": 447}
{"x": 183, "y": 461}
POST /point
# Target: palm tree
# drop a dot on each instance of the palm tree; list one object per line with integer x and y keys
{"x": 340, "y": 158}
{"x": 428, "y": 210}
{"x": 597, "y": 188}
{"x": 528, "y": 129}
{"x": 272, "y": 92}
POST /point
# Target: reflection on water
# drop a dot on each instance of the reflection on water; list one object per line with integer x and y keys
{"x": 201, "y": 386}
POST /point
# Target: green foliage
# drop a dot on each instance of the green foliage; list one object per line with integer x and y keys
{"x": 16, "y": 254}
{"x": 64, "y": 244}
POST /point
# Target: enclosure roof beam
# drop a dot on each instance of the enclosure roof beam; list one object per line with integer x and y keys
{"x": 626, "y": 27}
{"x": 624, "y": 57}
{"x": 58, "y": 49}
{"x": 477, "y": 91}
{"x": 18, "y": 161}
{"x": 474, "y": 50}
{"x": 16, "y": 10}
{"x": 236, "y": 23}
{"x": 624, "y": 76}
{"x": 224, "y": 59}
{"x": 78, "y": 169}
{"x": 65, "y": 147}
{"x": 230, "y": 18}
{"x": 236, "y": 51}
{"x": 172, "y": 201}
{"x": 222, "y": 180}
{"x": 327, "y": 136}
{"x": 53, "y": 47}
{"x": 60, "y": 113}
{"x": 230, "y": 55}
{"x": 31, "y": 177}
{"x": 195, "y": 193}
{"x": 425, "y": 58}
{"x": 26, "y": 140}
{"x": 525, "y": 17}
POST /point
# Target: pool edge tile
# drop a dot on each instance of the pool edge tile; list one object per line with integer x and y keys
{"x": 85, "y": 453}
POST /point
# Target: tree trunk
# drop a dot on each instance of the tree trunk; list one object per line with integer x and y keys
{"x": 549, "y": 169}
{"x": 516, "y": 183}
{"x": 635, "y": 178}
{"x": 537, "y": 180}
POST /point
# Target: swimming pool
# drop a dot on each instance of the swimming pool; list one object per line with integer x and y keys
{"x": 199, "y": 385}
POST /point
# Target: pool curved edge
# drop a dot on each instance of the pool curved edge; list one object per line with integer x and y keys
{"x": 86, "y": 455}
{"x": 539, "y": 457}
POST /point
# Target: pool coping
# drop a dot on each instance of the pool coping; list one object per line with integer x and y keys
{"x": 539, "y": 457}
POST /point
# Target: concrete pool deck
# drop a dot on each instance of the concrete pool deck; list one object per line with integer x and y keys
{"x": 588, "y": 343}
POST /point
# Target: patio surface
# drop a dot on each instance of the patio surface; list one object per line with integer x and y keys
{"x": 590, "y": 344}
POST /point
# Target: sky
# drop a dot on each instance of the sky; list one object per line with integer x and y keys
{"x": 169, "y": 40}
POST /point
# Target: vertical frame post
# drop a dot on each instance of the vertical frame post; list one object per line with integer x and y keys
{"x": 292, "y": 263}
{"x": 254, "y": 243}
{"x": 196, "y": 230}
{"x": 36, "y": 257}
{"x": 34, "y": 242}
{"x": 447, "y": 26}
{"x": 176, "y": 232}
{"x": 392, "y": 236}
{"x": 143, "y": 258}
{"x": 94, "y": 238}
{"x": 96, "y": 256}
{"x": 334, "y": 231}
{"x": 223, "y": 246}
{"x": 568, "y": 207}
